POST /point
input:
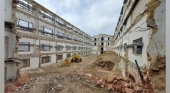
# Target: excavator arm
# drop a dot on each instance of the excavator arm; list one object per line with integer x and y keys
{"x": 74, "y": 58}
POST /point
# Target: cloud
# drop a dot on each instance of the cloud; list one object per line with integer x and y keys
{"x": 91, "y": 16}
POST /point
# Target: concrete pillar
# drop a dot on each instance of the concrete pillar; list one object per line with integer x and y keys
{"x": 2, "y": 46}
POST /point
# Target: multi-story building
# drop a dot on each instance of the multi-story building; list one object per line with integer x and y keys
{"x": 35, "y": 37}
{"x": 102, "y": 43}
{"x": 140, "y": 33}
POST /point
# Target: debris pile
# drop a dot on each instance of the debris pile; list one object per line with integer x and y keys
{"x": 107, "y": 61}
{"x": 12, "y": 84}
{"x": 157, "y": 74}
{"x": 105, "y": 64}
{"x": 113, "y": 81}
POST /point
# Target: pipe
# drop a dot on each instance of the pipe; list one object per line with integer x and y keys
{"x": 140, "y": 73}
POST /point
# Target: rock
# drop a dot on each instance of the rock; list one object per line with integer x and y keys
{"x": 90, "y": 75}
{"x": 102, "y": 86}
{"x": 154, "y": 66}
{"x": 13, "y": 88}
{"x": 126, "y": 84}
{"x": 126, "y": 79}
{"x": 111, "y": 77}
{"x": 138, "y": 89}
{"x": 104, "y": 83}
{"x": 115, "y": 81}
{"x": 109, "y": 86}
{"x": 128, "y": 90}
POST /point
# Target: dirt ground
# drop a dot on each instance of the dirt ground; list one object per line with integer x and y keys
{"x": 56, "y": 79}
{"x": 93, "y": 75}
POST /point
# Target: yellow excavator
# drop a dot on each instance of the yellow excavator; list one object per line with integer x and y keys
{"x": 74, "y": 58}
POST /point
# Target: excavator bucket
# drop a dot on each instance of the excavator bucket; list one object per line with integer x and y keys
{"x": 66, "y": 62}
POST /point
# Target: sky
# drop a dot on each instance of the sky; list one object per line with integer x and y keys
{"x": 91, "y": 16}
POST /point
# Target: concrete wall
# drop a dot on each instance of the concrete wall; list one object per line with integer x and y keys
{"x": 10, "y": 70}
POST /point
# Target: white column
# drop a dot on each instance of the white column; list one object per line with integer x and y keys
{"x": 2, "y": 46}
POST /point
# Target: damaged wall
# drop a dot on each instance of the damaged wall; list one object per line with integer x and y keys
{"x": 148, "y": 24}
{"x": 157, "y": 43}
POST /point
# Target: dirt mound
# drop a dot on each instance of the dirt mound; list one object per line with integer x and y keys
{"x": 107, "y": 60}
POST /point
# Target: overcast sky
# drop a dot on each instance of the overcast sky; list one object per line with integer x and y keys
{"x": 91, "y": 16}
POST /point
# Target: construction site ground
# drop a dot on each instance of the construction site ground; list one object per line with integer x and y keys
{"x": 95, "y": 74}
{"x": 56, "y": 79}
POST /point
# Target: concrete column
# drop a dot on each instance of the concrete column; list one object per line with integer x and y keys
{"x": 2, "y": 46}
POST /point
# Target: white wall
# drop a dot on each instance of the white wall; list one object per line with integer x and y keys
{"x": 8, "y": 10}
{"x": 2, "y": 46}
{"x": 34, "y": 63}
{"x": 11, "y": 70}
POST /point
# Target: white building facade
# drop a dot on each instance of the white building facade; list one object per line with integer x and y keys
{"x": 102, "y": 43}
{"x": 35, "y": 37}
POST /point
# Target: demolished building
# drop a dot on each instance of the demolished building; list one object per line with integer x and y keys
{"x": 35, "y": 37}
{"x": 140, "y": 35}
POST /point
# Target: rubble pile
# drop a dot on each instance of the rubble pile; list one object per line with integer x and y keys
{"x": 105, "y": 64}
{"x": 113, "y": 81}
{"x": 107, "y": 61}
{"x": 157, "y": 74}
{"x": 12, "y": 84}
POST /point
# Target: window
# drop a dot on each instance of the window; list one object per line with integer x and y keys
{"x": 59, "y": 57}
{"x": 125, "y": 49}
{"x": 46, "y": 59}
{"x": 68, "y": 55}
{"x": 108, "y": 43}
{"x": 74, "y": 48}
{"x": 60, "y": 22}
{"x": 25, "y": 25}
{"x": 46, "y": 16}
{"x": 79, "y": 48}
{"x": 102, "y": 38}
{"x": 6, "y": 46}
{"x": 102, "y": 43}
{"x": 69, "y": 37}
{"x": 45, "y": 47}
{"x": 24, "y": 46}
{"x": 60, "y": 35}
{"x": 137, "y": 49}
{"x": 25, "y": 5}
{"x": 75, "y": 39}
{"x": 69, "y": 27}
{"x": 46, "y": 31}
{"x": 59, "y": 47}
{"x": 108, "y": 38}
{"x": 95, "y": 44}
{"x": 25, "y": 63}
{"x": 68, "y": 47}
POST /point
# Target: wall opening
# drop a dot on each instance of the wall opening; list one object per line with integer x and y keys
{"x": 102, "y": 38}
{"x": 101, "y": 50}
{"x": 102, "y": 43}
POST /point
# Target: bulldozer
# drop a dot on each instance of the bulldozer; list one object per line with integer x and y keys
{"x": 74, "y": 58}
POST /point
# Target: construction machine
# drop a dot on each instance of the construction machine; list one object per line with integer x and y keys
{"x": 74, "y": 58}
